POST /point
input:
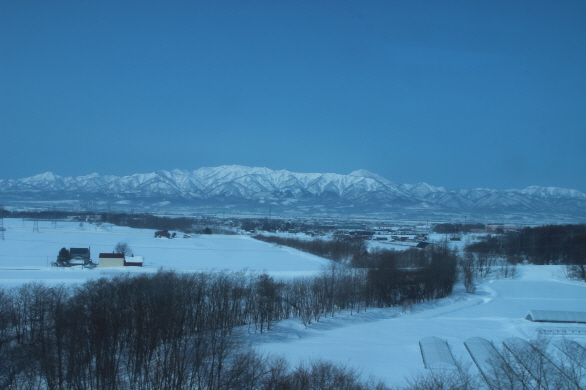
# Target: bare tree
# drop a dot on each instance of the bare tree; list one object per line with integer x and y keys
{"x": 123, "y": 248}
{"x": 458, "y": 379}
{"x": 467, "y": 269}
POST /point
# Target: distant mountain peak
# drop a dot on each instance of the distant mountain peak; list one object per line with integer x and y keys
{"x": 367, "y": 174}
{"x": 46, "y": 176}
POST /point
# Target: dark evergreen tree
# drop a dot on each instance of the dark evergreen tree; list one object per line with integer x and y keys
{"x": 63, "y": 257}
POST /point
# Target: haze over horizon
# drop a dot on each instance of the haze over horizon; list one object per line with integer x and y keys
{"x": 456, "y": 94}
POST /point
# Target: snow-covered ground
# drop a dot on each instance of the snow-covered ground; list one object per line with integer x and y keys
{"x": 384, "y": 342}
{"x": 381, "y": 342}
{"x": 26, "y": 255}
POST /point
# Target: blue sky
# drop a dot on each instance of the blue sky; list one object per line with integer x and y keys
{"x": 461, "y": 94}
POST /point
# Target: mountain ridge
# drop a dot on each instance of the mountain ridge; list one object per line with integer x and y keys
{"x": 360, "y": 189}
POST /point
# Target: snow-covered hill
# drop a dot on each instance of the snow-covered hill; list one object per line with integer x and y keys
{"x": 245, "y": 186}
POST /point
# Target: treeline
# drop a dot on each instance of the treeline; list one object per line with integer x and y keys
{"x": 454, "y": 228}
{"x": 378, "y": 277}
{"x": 181, "y": 331}
{"x": 149, "y": 221}
{"x": 40, "y": 214}
{"x": 542, "y": 245}
{"x": 181, "y": 224}
{"x": 338, "y": 249}
{"x": 137, "y": 221}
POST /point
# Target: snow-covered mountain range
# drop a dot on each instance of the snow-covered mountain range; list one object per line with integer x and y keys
{"x": 250, "y": 187}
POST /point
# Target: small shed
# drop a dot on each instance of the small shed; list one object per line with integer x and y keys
{"x": 133, "y": 261}
{"x": 111, "y": 260}
{"x": 556, "y": 316}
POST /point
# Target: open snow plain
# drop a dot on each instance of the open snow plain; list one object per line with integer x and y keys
{"x": 26, "y": 255}
{"x": 379, "y": 342}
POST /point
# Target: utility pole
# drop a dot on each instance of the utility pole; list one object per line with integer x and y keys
{"x": 1, "y": 222}
{"x": 36, "y": 224}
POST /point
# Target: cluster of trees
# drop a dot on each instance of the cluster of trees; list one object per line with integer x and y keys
{"x": 162, "y": 331}
{"x": 38, "y": 214}
{"x": 453, "y": 228}
{"x": 149, "y": 221}
{"x": 137, "y": 221}
{"x": 382, "y": 284}
{"x": 542, "y": 245}
{"x": 181, "y": 331}
{"x": 476, "y": 263}
{"x": 339, "y": 249}
{"x": 267, "y": 224}
{"x": 375, "y": 278}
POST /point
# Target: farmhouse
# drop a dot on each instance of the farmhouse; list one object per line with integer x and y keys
{"x": 111, "y": 260}
{"x": 79, "y": 256}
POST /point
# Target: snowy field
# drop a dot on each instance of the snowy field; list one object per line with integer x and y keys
{"x": 380, "y": 342}
{"x": 26, "y": 255}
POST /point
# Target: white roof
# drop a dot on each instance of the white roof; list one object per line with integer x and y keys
{"x": 134, "y": 259}
{"x": 556, "y": 316}
{"x": 76, "y": 262}
{"x": 519, "y": 346}
{"x": 483, "y": 353}
{"x": 436, "y": 353}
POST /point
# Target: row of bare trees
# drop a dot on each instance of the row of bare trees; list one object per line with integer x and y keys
{"x": 338, "y": 249}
